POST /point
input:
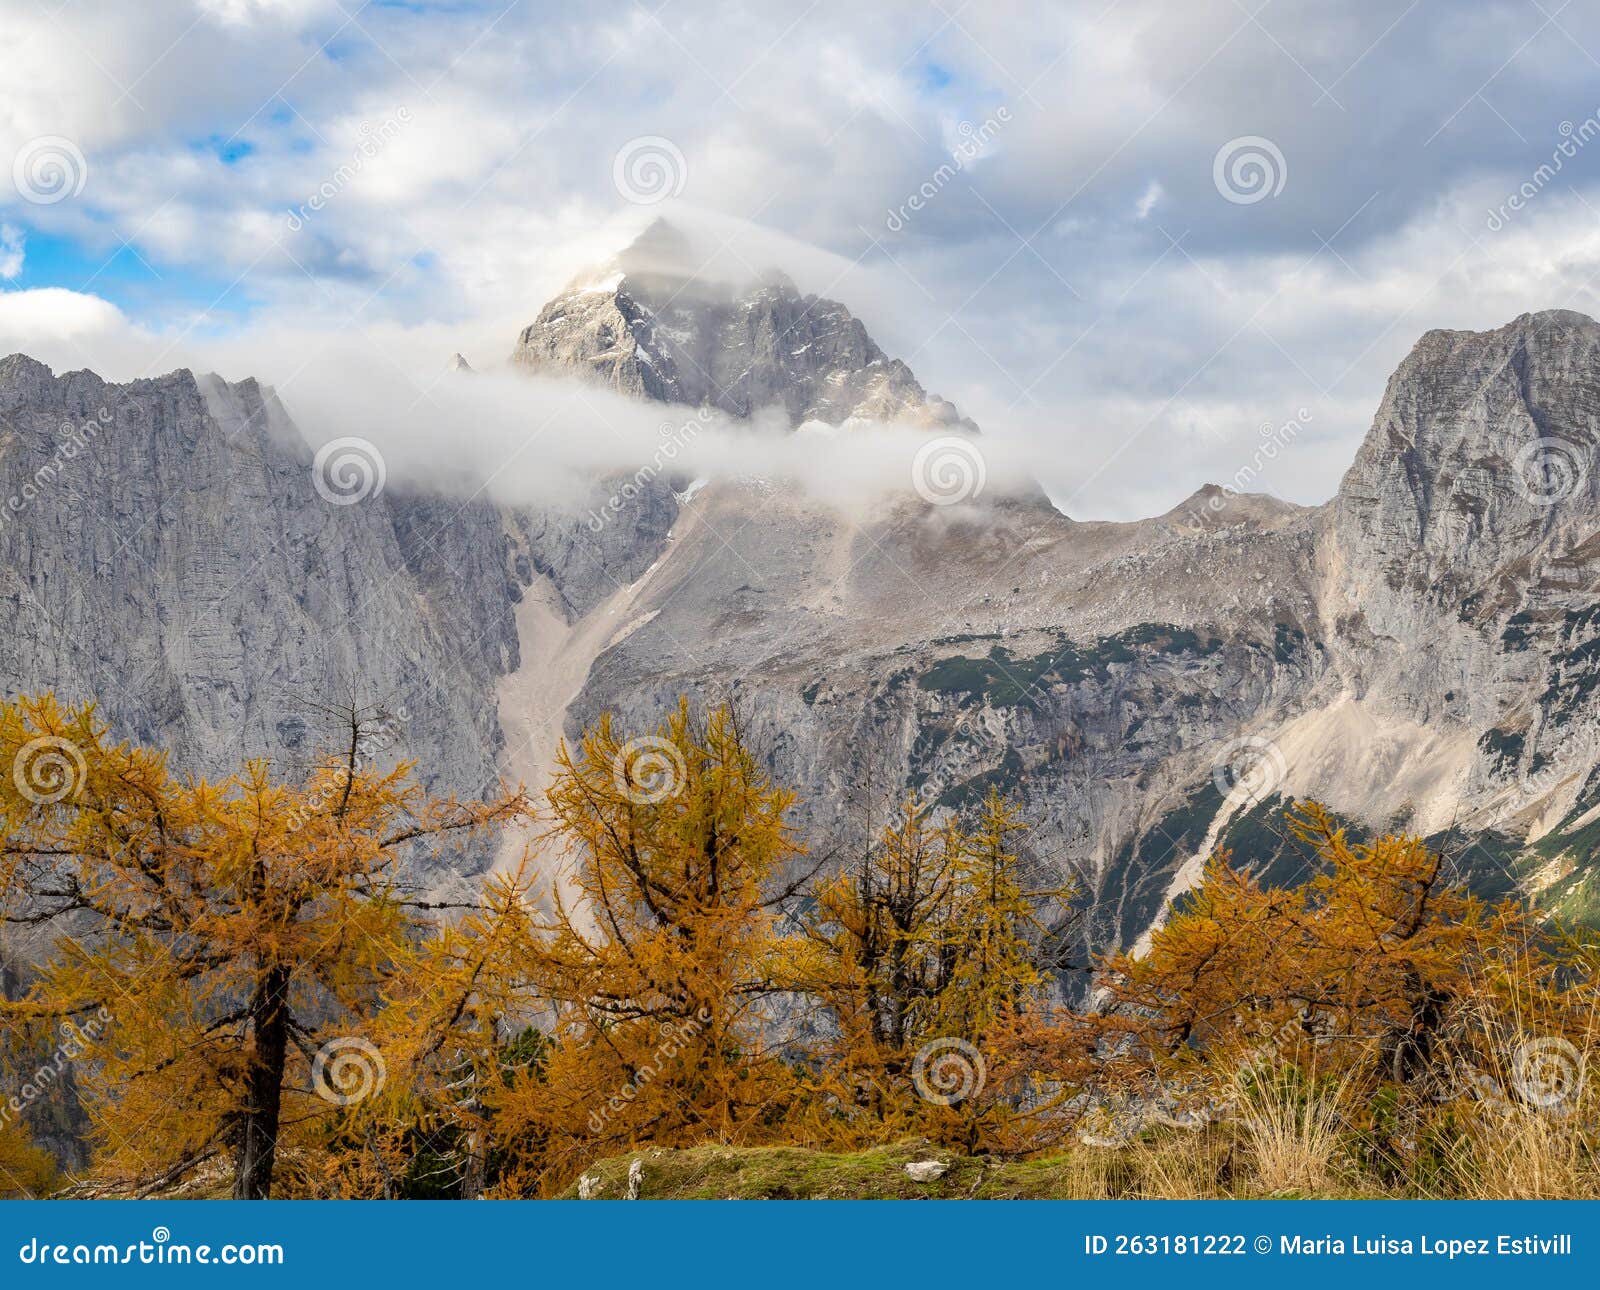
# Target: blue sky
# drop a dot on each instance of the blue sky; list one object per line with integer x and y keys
{"x": 1046, "y": 209}
{"x": 149, "y": 287}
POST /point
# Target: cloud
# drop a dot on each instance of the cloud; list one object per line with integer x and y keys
{"x": 1132, "y": 357}
{"x": 11, "y": 250}
{"x": 521, "y": 439}
{"x": 529, "y": 440}
{"x": 249, "y": 13}
{"x": 46, "y": 320}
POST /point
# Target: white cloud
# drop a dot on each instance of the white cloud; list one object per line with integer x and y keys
{"x": 248, "y": 13}
{"x": 1132, "y": 357}
{"x": 12, "y": 248}
{"x": 30, "y": 319}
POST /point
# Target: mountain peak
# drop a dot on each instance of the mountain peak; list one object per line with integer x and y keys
{"x": 1542, "y": 328}
{"x": 662, "y": 248}
{"x": 13, "y": 366}
{"x": 660, "y": 260}
{"x": 1214, "y": 506}
{"x": 647, "y": 324}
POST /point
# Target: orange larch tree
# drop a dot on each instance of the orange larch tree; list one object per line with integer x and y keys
{"x": 240, "y": 936}
{"x": 1376, "y": 973}
{"x": 660, "y": 974}
{"x": 928, "y": 958}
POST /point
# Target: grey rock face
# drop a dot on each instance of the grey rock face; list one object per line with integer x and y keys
{"x": 647, "y": 327}
{"x": 1462, "y": 560}
{"x": 1093, "y": 671}
{"x": 599, "y": 544}
{"x": 164, "y": 552}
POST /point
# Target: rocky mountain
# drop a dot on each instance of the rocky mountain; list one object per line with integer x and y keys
{"x": 646, "y": 324}
{"x": 1416, "y": 652}
{"x": 165, "y": 551}
{"x": 1423, "y": 651}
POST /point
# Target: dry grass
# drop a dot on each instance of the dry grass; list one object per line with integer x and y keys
{"x": 1294, "y": 1147}
{"x": 1277, "y": 1143}
{"x": 1523, "y": 1155}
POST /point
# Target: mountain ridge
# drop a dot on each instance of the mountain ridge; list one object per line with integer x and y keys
{"x": 1416, "y": 650}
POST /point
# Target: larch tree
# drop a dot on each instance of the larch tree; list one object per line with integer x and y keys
{"x": 240, "y": 936}
{"x": 454, "y": 1022}
{"x": 660, "y": 973}
{"x": 928, "y": 956}
{"x": 1376, "y": 972}
{"x": 27, "y": 1171}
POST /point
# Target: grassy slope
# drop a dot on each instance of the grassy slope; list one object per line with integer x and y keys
{"x": 1194, "y": 1164}
{"x": 791, "y": 1173}
{"x": 1267, "y": 1152}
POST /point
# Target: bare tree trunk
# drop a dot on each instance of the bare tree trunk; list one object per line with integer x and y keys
{"x": 476, "y": 1176}
{"x": 258, "y": 1144}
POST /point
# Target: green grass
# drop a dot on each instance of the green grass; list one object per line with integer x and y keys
{"x": 1280, "y": 1150}
{"x": 792, "y": 1173}
{"x": 1163, "y": 1165}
